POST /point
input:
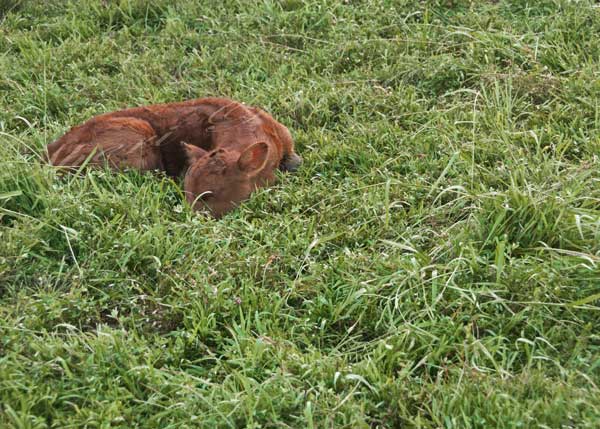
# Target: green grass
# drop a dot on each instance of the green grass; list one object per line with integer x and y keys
{"x": 435, "y": 263}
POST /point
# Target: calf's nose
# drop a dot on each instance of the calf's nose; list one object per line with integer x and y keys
{"x": 291, "y": 163}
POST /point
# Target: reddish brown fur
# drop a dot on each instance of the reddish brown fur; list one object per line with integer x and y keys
{"x": 122, "y": 142}
{"x": 152, "y": 137}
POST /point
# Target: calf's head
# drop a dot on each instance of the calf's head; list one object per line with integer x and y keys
{"x": 220, "y": 180}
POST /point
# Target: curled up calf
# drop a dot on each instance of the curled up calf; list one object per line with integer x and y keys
{"x": 225, "y": 149}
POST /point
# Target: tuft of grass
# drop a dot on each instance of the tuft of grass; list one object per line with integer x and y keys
{"x": 435, "y": 263}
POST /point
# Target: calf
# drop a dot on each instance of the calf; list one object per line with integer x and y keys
{"x": 194, "y": 135}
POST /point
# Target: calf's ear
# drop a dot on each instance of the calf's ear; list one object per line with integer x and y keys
{"x": 254, "y": 158}
{"x": 193, "y": 153}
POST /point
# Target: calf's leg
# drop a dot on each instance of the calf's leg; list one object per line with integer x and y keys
{"x": 121, "y": 142}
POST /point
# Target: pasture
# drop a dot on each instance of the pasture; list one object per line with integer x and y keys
{"x": 434, "y": 263}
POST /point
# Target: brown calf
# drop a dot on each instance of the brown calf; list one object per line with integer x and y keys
{"x": 228, "y": 149}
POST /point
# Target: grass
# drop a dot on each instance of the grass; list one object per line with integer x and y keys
{"x": 435, "y": 263}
